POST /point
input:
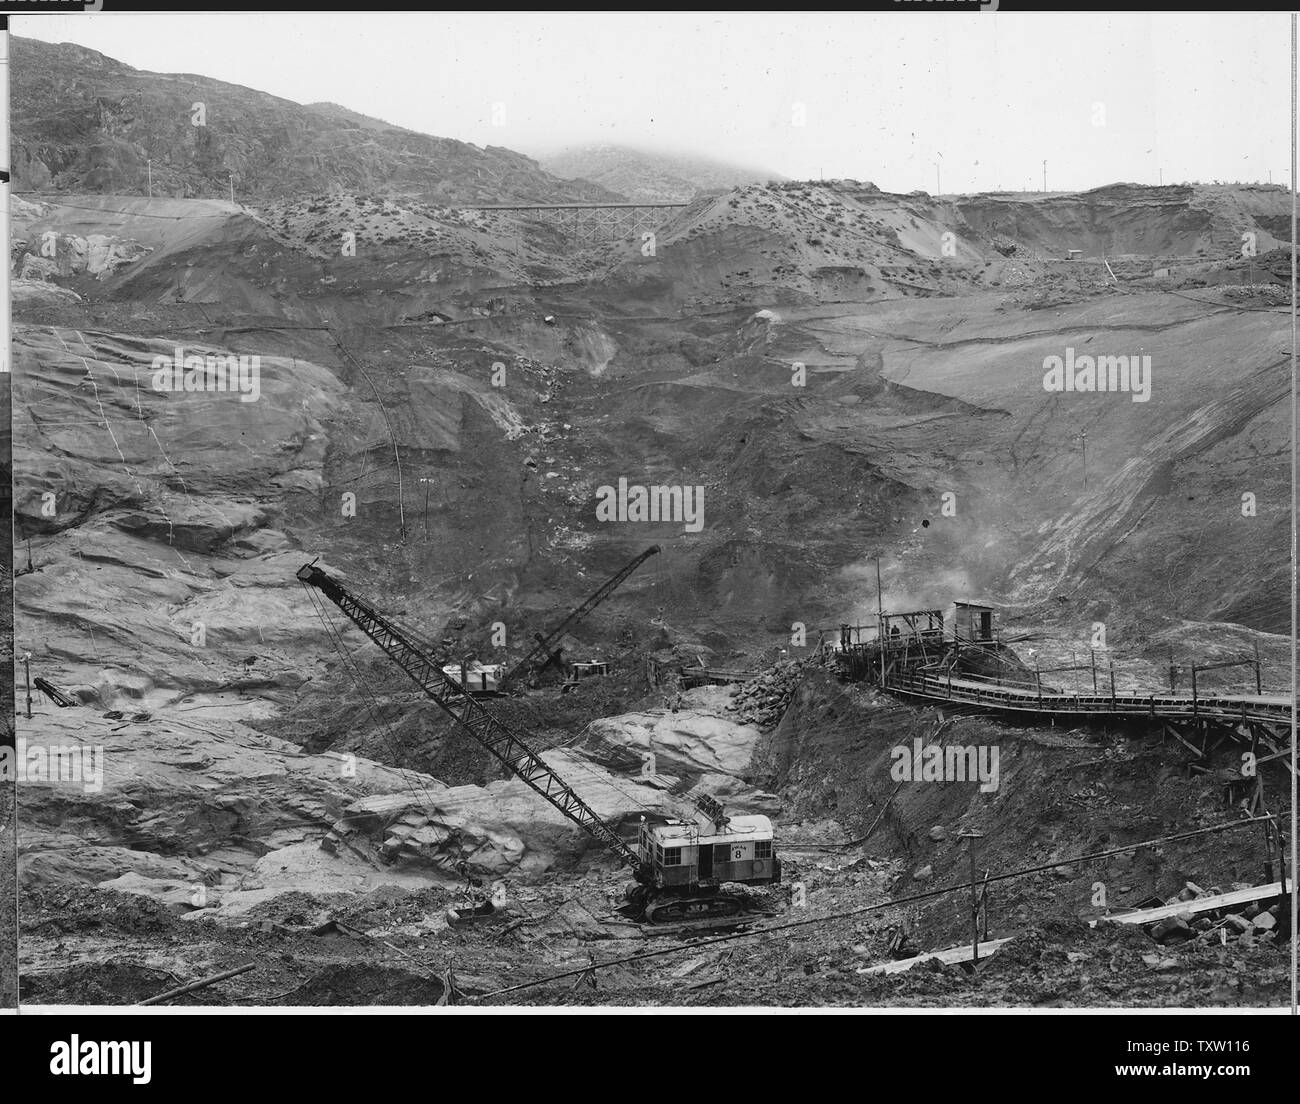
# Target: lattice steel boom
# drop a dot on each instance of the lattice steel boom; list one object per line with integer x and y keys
{"x": 545, "y": 643}
{"x": 505, "y": 745}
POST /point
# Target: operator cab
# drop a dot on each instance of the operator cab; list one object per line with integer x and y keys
{"x": 474, "y": 677}
{"x": 681, "y": 855}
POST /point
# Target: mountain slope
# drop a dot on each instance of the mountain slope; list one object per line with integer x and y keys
{"x": 83, "y": 122}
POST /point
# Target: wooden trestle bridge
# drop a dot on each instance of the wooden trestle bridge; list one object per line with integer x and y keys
{"x": 911, "y": 655}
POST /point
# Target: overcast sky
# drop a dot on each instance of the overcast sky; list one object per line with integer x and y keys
{"x": 885, "y": 98}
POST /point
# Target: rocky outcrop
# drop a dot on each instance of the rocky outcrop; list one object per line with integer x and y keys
{"x": 63, "y": 255}
{"x": 494, "y": 830}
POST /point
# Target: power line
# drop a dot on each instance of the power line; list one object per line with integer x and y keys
{"x": 879, "y": 906}
{"x": 370, "y": 703}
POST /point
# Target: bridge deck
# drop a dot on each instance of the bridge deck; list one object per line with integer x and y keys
{"x": 1270, "y": 708}
{"x": 713, "y": 675}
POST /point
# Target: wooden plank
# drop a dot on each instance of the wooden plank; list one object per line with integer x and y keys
{"x": 948, "y": 957}
{"x": 1169, "y": 731}
{"x": 201, "y": 983}
{"x": 1285, "y": 753}
{"x": 1278, "y": 753}
{"x": 1199, "y": 904}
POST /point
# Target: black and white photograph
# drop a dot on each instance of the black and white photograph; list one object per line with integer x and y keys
{"x": 544, "y": 512}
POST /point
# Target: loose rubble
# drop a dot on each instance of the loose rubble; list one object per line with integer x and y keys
{"x": 1246, "y": 925}
{"x": 762, "y": 701}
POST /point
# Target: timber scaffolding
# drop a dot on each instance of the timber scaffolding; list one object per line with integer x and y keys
{"x": 710, "y": 676}
{"x": 911, "y": 655}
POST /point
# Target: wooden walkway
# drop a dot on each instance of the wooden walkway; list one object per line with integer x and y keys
{"x": 1228, "y": 708}
{"x": 949, "y": 957}
{"x": 1198, "y": 904}
{"x": 712, "y": 676}
{"x": 953, "y": 955}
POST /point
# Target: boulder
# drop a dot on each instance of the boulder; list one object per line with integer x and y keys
{"x": 178, "y": 897}
{"x": 1174, "y": 929}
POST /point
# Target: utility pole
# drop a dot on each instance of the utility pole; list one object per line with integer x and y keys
{"x": 880, "y": 622}
{"x": 971, "y": 835}
{"x": 27, "y": 666}
{"x": 426, "y": 483}
{"x": 149, "y": 168}
{"x": 1044, "y": 175}
{"x": 1162, "y": 177}
{"x": 232, "y": 187}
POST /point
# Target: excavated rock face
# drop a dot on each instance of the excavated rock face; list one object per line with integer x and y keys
{"x": 624, "y": 768}
{"x": 1123, "y": 219}
{"x": 66, "y": 255}
{"x": 502, "y": 829}
{"x": 436, "y": 414}
{"x": 685, "y": 743}
{"x": 157, "y": 524}
{"x": 167, "y": 526}
{"x": 37, "y": 293}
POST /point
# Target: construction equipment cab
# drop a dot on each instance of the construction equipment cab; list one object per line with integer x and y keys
{"x": 684, "y": 856}
{"x": 678, "y": 867}
{"x": 474, "y": 677}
